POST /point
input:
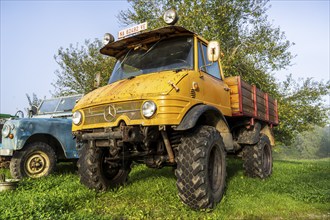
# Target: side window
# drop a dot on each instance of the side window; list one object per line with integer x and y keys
{"x": 204, "y": 64}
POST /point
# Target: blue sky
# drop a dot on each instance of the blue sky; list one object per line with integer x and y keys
{"x": 33, "y": 31}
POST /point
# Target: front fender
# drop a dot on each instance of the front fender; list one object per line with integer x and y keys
{"x": 208, "y": 115}
{"x": 19, "y": 137}
{"x": 194, "y": 114}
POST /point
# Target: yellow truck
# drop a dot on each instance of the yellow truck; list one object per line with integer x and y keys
{"x": 168, "y": 104}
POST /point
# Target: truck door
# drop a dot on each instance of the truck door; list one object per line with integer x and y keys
{"x": 216, "y": 92}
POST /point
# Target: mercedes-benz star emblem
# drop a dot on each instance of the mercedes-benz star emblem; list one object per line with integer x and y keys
{"x": 110, "y": 113}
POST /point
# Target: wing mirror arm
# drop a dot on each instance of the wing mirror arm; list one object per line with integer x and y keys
{"x": 33, "y": 111}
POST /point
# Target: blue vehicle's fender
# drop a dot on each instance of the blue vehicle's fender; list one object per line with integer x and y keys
{"x": 31, "y": 128}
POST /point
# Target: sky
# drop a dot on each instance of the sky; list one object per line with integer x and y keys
{"x": 33, "y": 31}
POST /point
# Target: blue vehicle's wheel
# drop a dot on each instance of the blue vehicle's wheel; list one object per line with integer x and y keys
{"x": 36, "y": 160}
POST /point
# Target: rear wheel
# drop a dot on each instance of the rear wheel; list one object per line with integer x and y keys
{"x": 257, "y": 159}
{"x": 96, "y": 173}
{"x": 201, "y": 168}
{"x": 36, "y": 160}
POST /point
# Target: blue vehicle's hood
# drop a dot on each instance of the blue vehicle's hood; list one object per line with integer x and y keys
{"x": 37, "y": 120}
{"x": 23, "y": 122}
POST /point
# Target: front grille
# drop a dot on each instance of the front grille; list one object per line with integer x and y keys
{"x": 102, "y": 114}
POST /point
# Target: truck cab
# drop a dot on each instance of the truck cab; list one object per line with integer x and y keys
{"x": 174, "y": 62}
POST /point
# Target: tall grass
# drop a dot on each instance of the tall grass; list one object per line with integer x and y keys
{"x": 296, "y": 190}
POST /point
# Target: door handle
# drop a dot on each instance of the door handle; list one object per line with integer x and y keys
{"x": 226, "y": 89}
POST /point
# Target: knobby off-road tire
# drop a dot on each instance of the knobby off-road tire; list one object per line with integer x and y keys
{"x": 95, "y": 173}
{"x": 257, "y": 159}
{"x": 4, "y": 162}
{"x": 35, "y": 160}
{"x": 201, "y": 168}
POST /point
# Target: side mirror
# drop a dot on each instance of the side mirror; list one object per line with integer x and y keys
{"x": 33, "y": 110}
{"x": 213, "y": 51}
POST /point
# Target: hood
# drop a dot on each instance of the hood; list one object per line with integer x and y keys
{"x": 140, "y": 87}
{"x": 23, "y": 121}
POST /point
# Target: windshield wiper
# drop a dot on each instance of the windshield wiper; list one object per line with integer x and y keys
{"x": 122, "y": 61}
{"x": 131, "y": 77}
{"x": 152, "y": 47}
{"x": 178, "y": 70}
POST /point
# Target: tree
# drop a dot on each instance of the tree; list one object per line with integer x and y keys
{"x": 311, "y": 144}
{"x": 324, "y": 150}
{"x": 252, "y": 48}
{"x": 308, "y": 143}
{"x": 301, "y": 107}
{"x": 78, "y": 68}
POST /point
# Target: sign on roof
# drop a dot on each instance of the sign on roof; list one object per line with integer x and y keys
{"x": 132, "y": 30}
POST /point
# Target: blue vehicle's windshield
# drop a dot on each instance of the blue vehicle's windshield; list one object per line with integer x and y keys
{"x": 48, "y": 106}
{"x": 169, "y": 54}
{"x": 62, "y": 104}
{"x": 67, "y": 104}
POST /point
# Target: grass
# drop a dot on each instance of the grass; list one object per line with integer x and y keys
{"x": 297, "y": 190}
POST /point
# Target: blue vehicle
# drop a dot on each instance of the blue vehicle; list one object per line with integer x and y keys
{"x": 34, "y": 145}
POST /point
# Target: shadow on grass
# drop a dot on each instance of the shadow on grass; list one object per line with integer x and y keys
{"x": 66, "y": 168}
{"x": 288, "y": 161}
{"x": 144, "y": 173}
{"x": 234, "y": 166}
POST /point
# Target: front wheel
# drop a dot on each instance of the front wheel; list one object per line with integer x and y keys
{"x": 201, "y": 168}
{"x": 96, "y": 173}
{"x": 36, "y": 160}
{"x": 257, "y": 159}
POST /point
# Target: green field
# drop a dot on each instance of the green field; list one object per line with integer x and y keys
{"x": 298, "y": 189}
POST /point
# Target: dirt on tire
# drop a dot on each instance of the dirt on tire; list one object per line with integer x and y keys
{"x": 201, "y": 168}
{"x": 95, "y": 173}
{"x": 257, "y": 159}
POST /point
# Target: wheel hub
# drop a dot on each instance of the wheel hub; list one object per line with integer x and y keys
{"x": 37, "y": 164}
{"x": 214, "y": 169}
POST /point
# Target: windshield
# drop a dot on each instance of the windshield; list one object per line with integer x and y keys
{"x": 63, "y": 104}
{"x": 169, "y": 54}
{"x": 48, "y": 106}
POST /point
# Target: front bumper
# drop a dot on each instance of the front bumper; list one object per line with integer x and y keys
{"x": 126, "y": 134}
{"x": 6, "y": 152}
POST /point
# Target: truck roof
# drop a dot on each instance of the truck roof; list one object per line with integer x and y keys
{"x": 116, "y": 48}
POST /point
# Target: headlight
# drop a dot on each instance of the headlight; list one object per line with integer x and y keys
{"x": 108, "y": 38}
{"x": 77, "y": 118}
{"x": 170, "y": 17}
{"x": 149, "y": 109}
{"x": 6, "y": 130}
